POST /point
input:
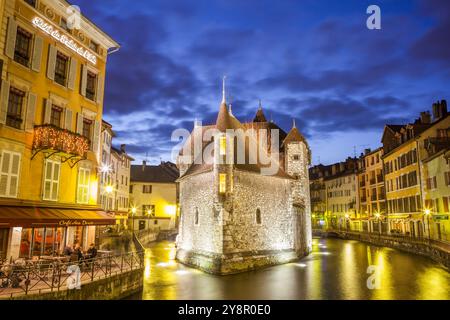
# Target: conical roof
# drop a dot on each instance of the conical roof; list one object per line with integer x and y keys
{"x": 294, "y": 136}
{"x": 225, "y": 120}
{"x": 260, "y": 117}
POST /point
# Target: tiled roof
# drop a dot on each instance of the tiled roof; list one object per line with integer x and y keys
{"x": 163, "y": 173}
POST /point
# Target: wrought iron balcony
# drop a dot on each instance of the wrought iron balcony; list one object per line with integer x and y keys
{"x": 58, "y": 140}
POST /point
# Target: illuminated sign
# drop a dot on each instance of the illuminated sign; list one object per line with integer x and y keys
{"x": 70, "y": 43}
{"x": 75, "y": 223}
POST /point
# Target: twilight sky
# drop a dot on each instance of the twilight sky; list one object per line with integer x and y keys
{"x": 311, "y": 60}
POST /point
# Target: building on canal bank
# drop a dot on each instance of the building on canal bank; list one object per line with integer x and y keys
{"x": 52, "y": 83}
{"x": 234, "y": 216}
{"x": 317, "y": 176}
{"x": 154, "y": 196}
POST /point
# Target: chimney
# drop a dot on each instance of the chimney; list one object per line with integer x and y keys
{"x": 439, "y": 110}
{"x": 425, "y": 117}
{"x": 144, "y": 163}
{"x": 367, "y": 151}
{"x": 122, "y": 148}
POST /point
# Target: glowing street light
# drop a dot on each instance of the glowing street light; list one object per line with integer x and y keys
{"x": 105, "y": 168}
{"x": 109, "y": 189}
{"x": 427, "y": 213}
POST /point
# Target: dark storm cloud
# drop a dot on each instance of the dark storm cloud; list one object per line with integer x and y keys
{"x": 308, "y": 60}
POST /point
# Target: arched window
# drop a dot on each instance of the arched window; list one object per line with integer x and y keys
{"x": 258, "y": 216}
{"x": 196, "y": 216}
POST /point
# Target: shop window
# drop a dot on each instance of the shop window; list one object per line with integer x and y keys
{"x": 15, "y": 107}
{"x": 51, "y": 180}
{"x": 23, "y": 47}
{"x": 9, "y": 173}
{"x": 91, "y": 84}
{"x": 83, "y": 185}
{"x": 25, "y": 242}
{"x": 4, "y": 234}
{"x": 62, "y": 62}
{"x": 55, "y": 116}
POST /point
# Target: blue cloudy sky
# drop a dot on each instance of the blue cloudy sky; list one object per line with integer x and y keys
{"x": 311, "y": 60}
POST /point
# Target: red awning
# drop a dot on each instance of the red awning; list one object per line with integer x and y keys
{"x": 16, "y": 216}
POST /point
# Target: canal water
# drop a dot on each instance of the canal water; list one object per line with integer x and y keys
{"x": 336, "y": 269}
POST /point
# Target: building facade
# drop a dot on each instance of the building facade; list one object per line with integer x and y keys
{"x": 317, "y": 176}
{"x": 342, "y": 194}
{"x": 115, "y": 171}
{"x": 154, "y": 196}
{"x": 372, "y": 195}
{"x": 406, "y": 182}
{"x": 51, "y": 106}
{"x": 233, "y": 217}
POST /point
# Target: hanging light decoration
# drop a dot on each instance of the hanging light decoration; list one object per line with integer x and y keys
{"x": 51, "y": 137}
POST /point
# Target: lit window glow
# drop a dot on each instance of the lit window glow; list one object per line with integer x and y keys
{"x": 222, "y": 182}
{"x": 223, "y": 146}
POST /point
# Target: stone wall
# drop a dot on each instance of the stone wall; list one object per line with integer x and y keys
{"x": 197, "y": 194}
{"x": 112, "y": 288}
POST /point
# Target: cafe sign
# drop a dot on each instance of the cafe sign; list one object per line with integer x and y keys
{"x": 67, "y": 223}
{"x": 68, "y": 42}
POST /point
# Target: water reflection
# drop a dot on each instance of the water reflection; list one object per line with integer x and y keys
{"x": 336, "y": 269}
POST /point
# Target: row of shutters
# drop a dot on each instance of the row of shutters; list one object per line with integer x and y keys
{"x": 36, "y": 59}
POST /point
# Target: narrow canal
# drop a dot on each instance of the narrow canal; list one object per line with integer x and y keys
{"x": 336, "y": 269}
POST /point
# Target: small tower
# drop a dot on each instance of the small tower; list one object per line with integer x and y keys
{"x": 297, "y": 160}
{"x": 260, "y": 117}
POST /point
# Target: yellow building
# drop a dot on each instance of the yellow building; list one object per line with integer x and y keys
{"x": 53, "y": 70}
{"x": 154, "y": 196}
{"x": 371, "y": 190}
{"x": 402, "y": 160}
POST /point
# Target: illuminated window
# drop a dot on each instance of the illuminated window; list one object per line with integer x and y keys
{"x": 222, "y": 182}
{"x": 223, "y": 145}
{"x": 15, "y": 104}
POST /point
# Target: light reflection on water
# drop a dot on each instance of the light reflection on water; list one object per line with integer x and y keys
{"x": 336, "y": 269}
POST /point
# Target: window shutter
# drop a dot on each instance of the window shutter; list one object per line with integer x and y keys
{"x": 37, "y": 54}
{"x": 47, "y": 111}
{"x": 72, "y": 73}
{"x": 4, "y": 101}
{"x": 83, "y": 80}
{"x": 55, "y": 180}
{"x": 14, "y": 175}
{"x": 51, "y": 62}
{"x": 445, "y": 200}
{"x": 96, "y": 136}
{"x": 99, "y": 88}
{"x": 4, "y": 174}
{"x": 80, "y": 123}
{"x": 68, "y": 119}
{"x": 11, "y": 40}
{"x": 31, "y": 110}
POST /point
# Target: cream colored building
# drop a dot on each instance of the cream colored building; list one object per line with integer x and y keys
{"x": 342, "y": 195}
{"x": 154, "y": 196}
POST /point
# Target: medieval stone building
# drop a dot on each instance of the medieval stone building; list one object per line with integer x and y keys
{"x": 234, "y": 217}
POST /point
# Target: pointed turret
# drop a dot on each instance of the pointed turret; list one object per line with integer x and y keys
{"x": 225, "y": 120}
{"x": 260, "y": 117}
{"x": 294, "y": 135}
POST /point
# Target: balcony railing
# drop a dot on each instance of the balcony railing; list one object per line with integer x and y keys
{"x": 58, "y": 139}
